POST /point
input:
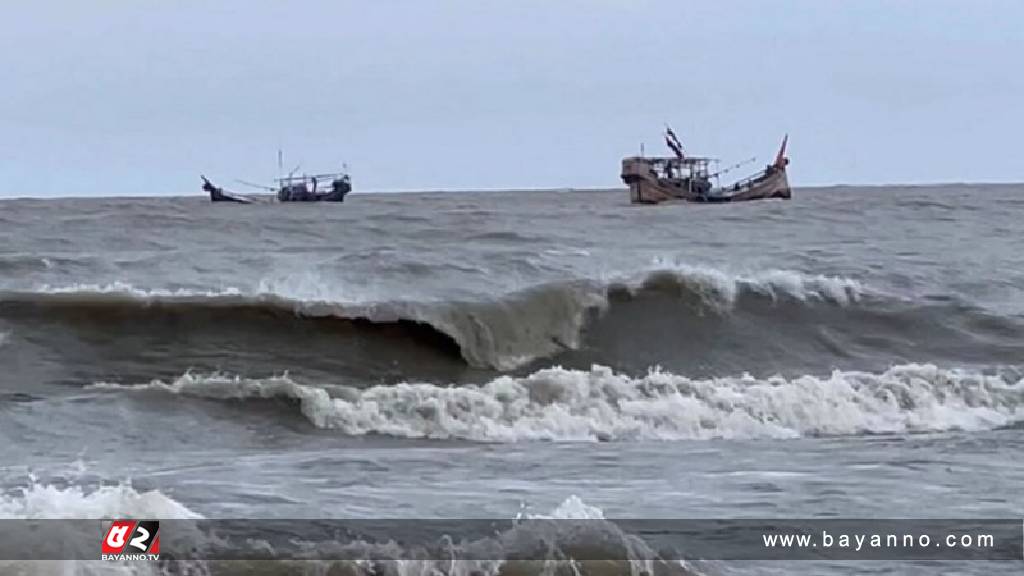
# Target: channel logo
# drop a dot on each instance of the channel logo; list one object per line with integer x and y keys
{"x": 131, "y": 540}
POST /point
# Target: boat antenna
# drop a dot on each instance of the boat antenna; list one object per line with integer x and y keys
{"x": 280, "y": 162}
{"x": 641, "y": 149}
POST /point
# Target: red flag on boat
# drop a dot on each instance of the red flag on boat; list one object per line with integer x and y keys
{"x": 780, "y": 159}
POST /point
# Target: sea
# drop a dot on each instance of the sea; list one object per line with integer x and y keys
{"x": 855, "y": 352}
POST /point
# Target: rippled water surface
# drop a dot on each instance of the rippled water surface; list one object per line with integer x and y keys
{"x": 853, "y": 352}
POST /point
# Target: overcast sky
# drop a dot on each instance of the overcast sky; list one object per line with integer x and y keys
{"x": 114, "y": 97}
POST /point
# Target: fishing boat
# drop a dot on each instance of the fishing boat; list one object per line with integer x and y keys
{"x": 654, "y": 180}
{"x": 291, "y": 188}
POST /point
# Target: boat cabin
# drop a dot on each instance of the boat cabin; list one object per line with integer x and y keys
{"x": 313, "y": 187}
{"x": 688, "y": 176}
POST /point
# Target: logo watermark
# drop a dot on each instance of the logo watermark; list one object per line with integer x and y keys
{"x": 131, "y": 540}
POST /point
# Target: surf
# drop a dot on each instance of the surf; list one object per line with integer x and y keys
{"x": 561, "y": 405}
{"x": 678, "y": 318}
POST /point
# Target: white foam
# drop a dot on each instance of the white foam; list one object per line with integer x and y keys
{"x": 572, "y": 508}
{"x": 123, "y": 501}
{"x": 725, "y": 286}
{"x": 45, "y": 501}
{"x": 556, "y": 404}
{"x": 564, "y": 536}
{"x": 303, "y": 288}
{"x": 119, "y": 288}
{"x": 312, "y": 287}
{"x": 39, "y": 501}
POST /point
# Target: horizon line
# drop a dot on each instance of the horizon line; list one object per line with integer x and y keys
{"x": 537, "y": 189}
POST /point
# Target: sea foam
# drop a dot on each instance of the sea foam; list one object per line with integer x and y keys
{"x": 558, "y": 404}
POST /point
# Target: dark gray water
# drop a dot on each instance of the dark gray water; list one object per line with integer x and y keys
{"x": 853, "y": 352}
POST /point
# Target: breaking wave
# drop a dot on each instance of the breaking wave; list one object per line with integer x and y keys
{"x": 503, "y": 333}
{"x": 48, "y": 501}
{"x": 564, "y": 540}
{"x": 556, "y": 404}
{"x": 38, "y": 500}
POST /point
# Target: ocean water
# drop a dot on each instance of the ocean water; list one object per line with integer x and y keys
{"x": 853, "y": 352}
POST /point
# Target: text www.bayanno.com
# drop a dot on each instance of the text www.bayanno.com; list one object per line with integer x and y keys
{"x": 859, "y": 542}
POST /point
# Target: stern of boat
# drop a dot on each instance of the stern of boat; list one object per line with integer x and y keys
{"x": 639, "y": 175}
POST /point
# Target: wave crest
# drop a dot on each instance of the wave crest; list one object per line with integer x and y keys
{"x": 724, "y": 290}
{"x": 502, "y": 333}
{"x": 40, "y": 500}
{"x": 556, "y": 404}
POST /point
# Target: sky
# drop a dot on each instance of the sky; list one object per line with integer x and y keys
{"x": 130, "y": 97}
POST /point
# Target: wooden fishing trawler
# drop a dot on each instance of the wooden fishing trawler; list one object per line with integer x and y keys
{"x": 653, "y": 180}
{"x": 290, "y": 188}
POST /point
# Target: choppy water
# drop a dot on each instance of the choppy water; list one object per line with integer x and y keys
{"x": 852, "y": 352}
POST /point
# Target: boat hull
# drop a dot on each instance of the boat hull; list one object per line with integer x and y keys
{"x": 647, "y": 187}
{"x": 326, "y": 197}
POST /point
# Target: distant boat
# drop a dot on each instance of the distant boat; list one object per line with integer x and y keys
{"x": 292, "y": 189}
{"x": 653, "y": 180}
